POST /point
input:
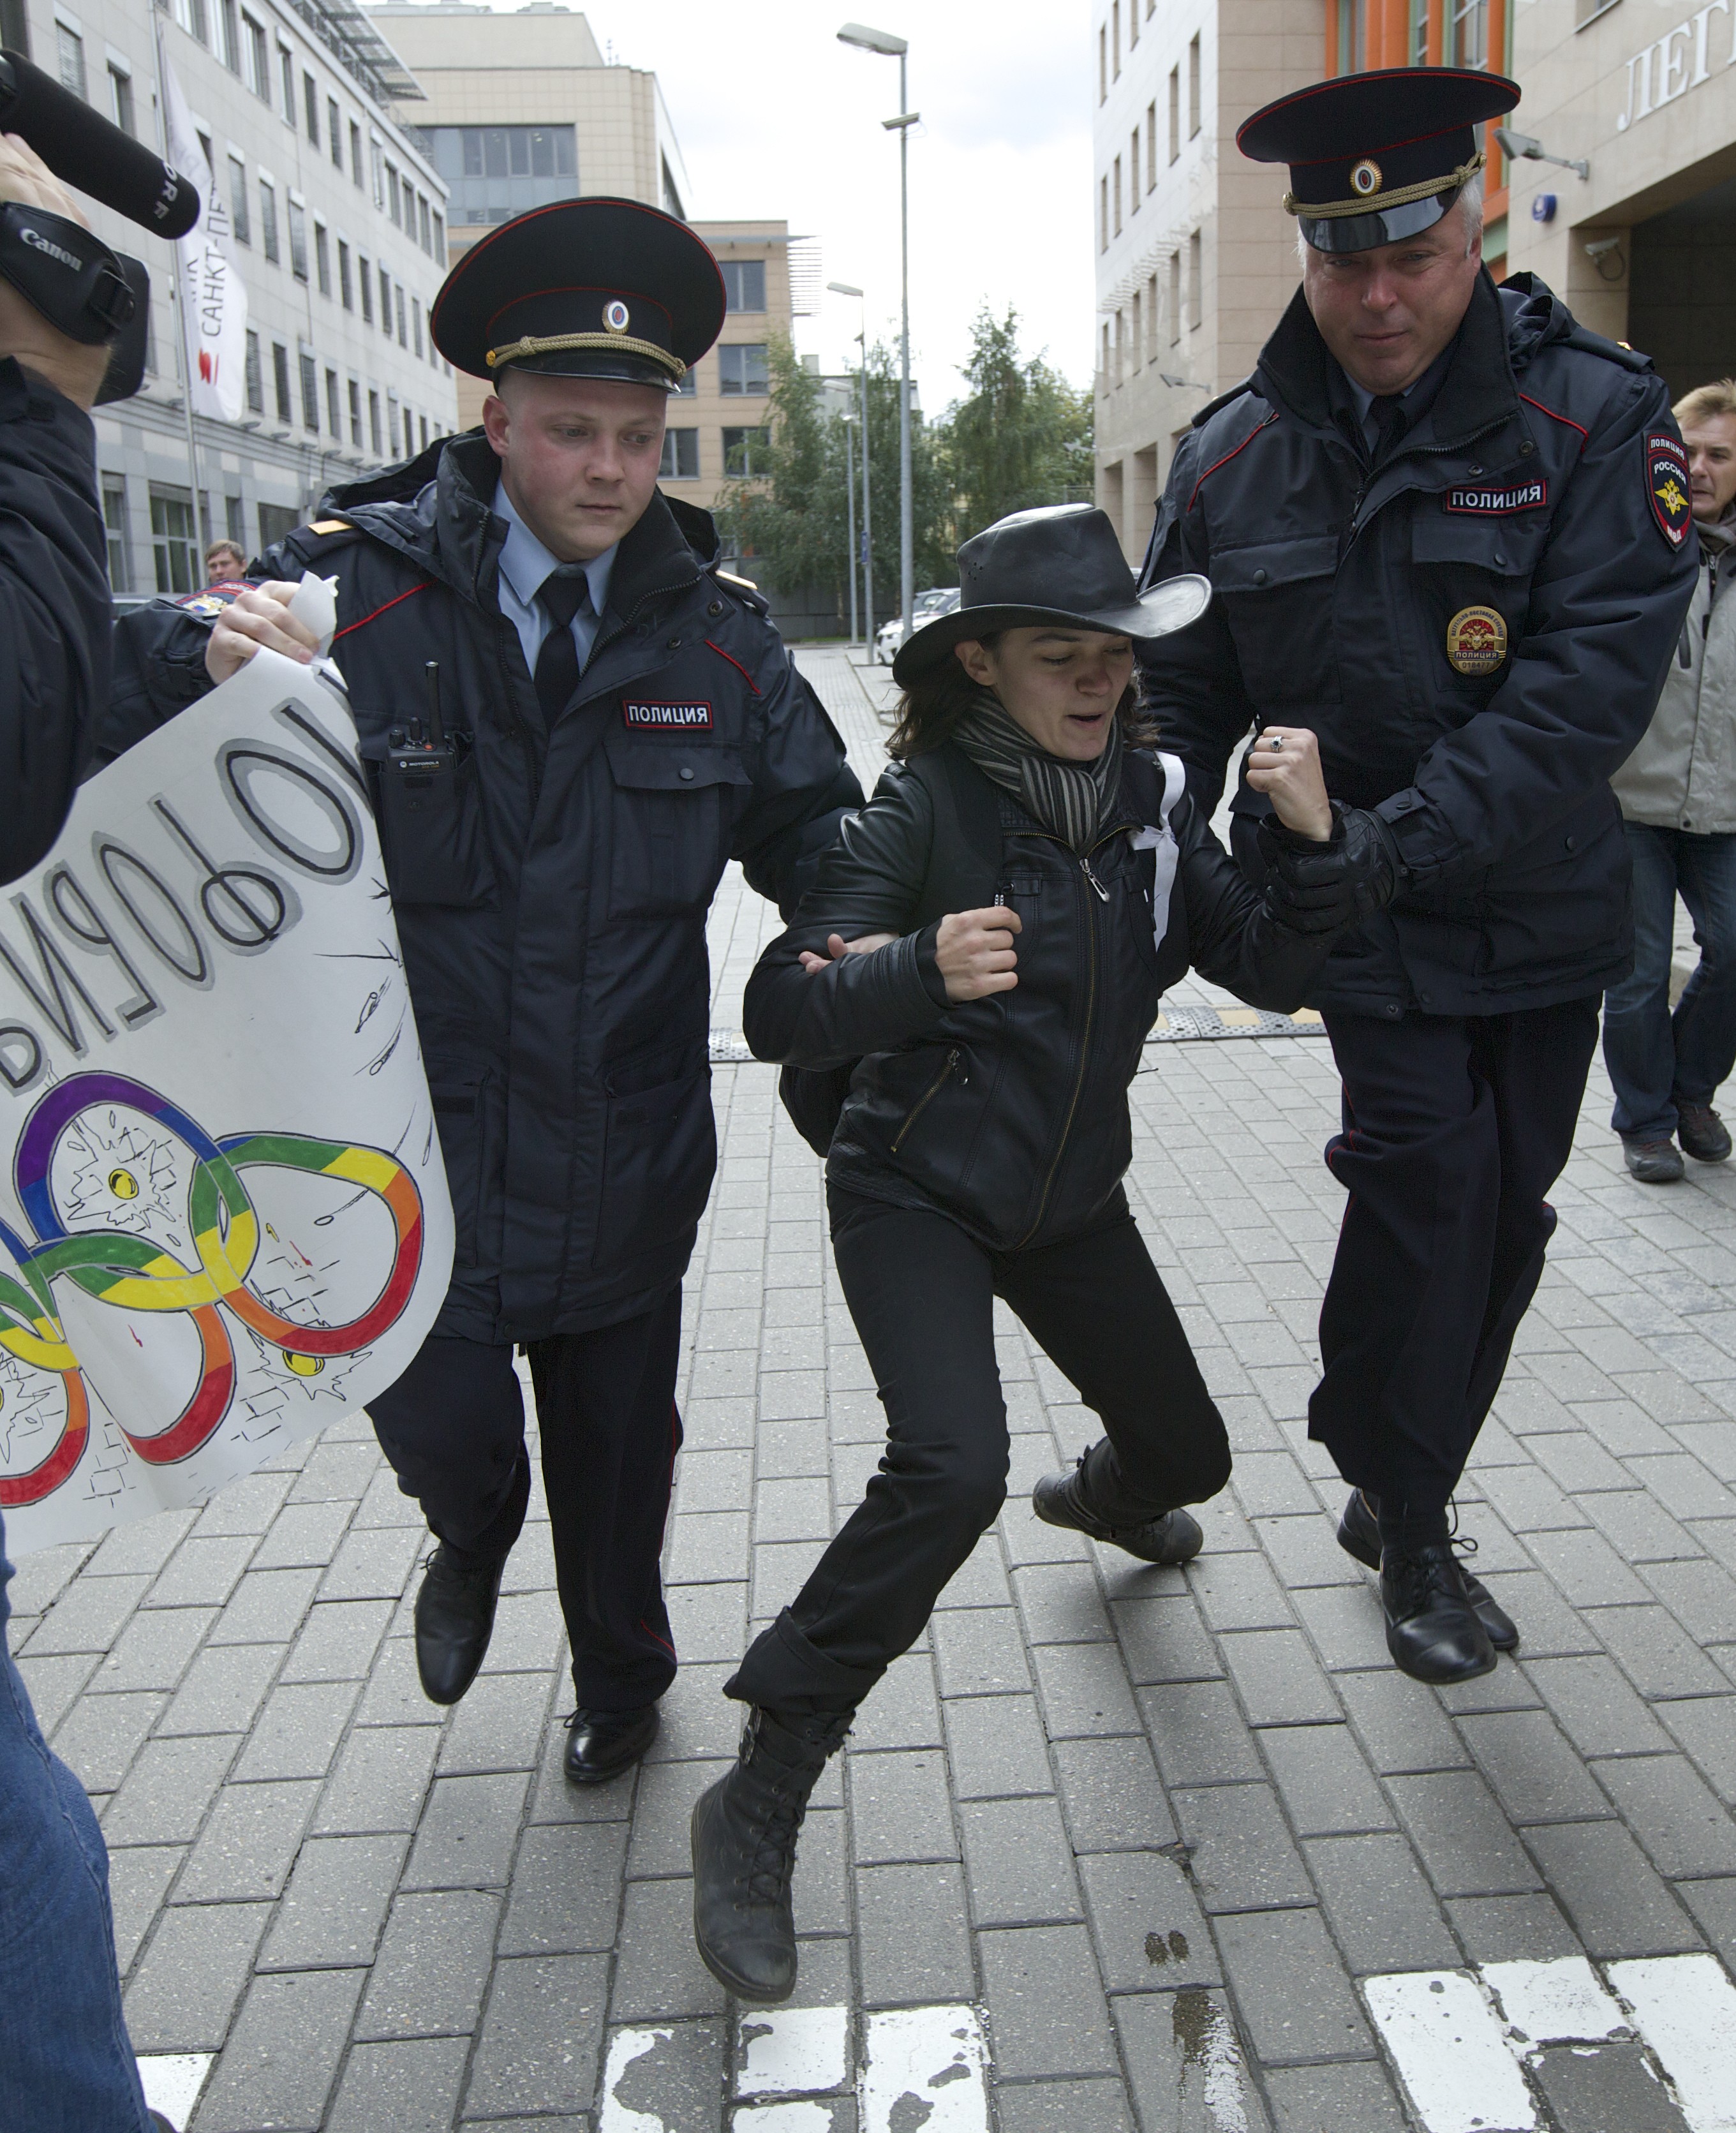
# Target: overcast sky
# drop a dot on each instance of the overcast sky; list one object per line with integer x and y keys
{"x": 776, "y": 119}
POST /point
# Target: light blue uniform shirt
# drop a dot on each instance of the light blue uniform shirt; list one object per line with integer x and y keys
{"x": 524, "y": 564}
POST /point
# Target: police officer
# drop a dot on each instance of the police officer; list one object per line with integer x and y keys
{"x": 1448, "y": 530}
{"x": 573, "y": 720}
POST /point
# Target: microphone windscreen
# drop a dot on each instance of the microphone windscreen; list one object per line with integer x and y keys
{"x": 85, "y": 150}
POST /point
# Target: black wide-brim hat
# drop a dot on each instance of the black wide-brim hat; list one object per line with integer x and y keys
{"x": 583, "y": 288}
{"x": 1060, "y": 565}
{"x": 1376, "y": 157}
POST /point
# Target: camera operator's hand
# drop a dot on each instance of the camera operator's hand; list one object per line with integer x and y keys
{"x": 68, "y": 365}
{"x": 1318, "y": 887}
{"x": 974, "y": 954}
{"x": 259, "y": 616}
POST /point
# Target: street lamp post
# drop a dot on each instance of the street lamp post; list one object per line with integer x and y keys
{"x": 849, "y": 507}
{"x": 844, "y": 289}
{"x": 882, "y": 42}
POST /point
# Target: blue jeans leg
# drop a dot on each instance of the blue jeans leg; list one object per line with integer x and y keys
{"x": 65, "y": 2064}
{"x": 1705, "y": 1021}
{"x": 1638, "y": 1048}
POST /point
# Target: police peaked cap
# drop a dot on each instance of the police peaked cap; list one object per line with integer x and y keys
{"x": 1376, "y": 157}
{"x": 583, "y": 288}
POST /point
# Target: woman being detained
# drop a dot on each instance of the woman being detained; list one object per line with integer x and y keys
{"x": 1025, "y": 881}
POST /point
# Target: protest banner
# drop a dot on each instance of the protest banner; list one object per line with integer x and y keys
{"x": 224, "y": 1217}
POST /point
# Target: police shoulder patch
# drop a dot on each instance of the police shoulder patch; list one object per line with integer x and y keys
{"x": 210, "y": 601}
{"x": 1666, "y": 484}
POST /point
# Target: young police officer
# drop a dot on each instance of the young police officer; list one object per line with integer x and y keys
{"x": 616, "y": 720}
{"x": 1448, "y": 530}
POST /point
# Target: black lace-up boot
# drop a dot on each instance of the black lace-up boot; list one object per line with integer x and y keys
{"x": 744, "y": 1831}
{"x": 1064, "y": 1499}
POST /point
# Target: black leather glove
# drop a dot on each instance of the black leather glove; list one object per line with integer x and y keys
{"x": 1320, "y": 888}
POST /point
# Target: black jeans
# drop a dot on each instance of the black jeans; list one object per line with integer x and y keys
{"x": 1455, "y": 1128}
{"x": 453, "y": 1427}
{"x": 922, "y": 1295}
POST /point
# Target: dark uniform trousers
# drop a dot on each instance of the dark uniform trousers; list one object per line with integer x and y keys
{"x": 453, "y": 1427}
{"x": 922, "y": 1292}
{"x": 1455, "y": 1128}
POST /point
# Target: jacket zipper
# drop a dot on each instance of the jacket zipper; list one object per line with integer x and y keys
{"x": 922, "y": 1102}
{"x": 1415, "y": 451}
{"x": 1085, "y": 1041}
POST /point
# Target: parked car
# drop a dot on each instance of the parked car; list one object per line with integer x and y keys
{"x": 939, "y": 599}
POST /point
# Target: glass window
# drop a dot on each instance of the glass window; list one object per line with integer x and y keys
{"x": 745, "y": 452}
{"x": 379, "y": 179}
{"x": 334, "y": 131}
{"x": 744, "y": 284}
{"x": 403, "y": 330}
{"x": 234, "y": 521}
{"x": 424, "y": 229}
{"x": 256, "y": 68}
{"x": 229, "y": 31}
{"x": 422, "y": 425}
{"x": 355, "y": 152}
{"x": 239, "y": 219}
{"x": 120, "y": 97}
{"x": 742, "y": 368}
{"x": 346, "y": 287}
{"x": 114, "y": 527}
{"x": 494, "y": 172}
{"x": 393, "y": 206}
{"x": 1468, "y": 37}
{"x": 680, "y": 460}
{"x": 1192, "y": 85}
{"x": 276, "y": 522}
{"x": 364, "y": 275}
{"x": 174, "y": 540}
{"x": 374, "y": 425}
{"x": 310, "y": 391}
{"x": 286, "y": 68}
{"x": 255, "y": 376}
{"x": 310, "y": 107}
{"x": 415, "y": 327}
{"x": 322, "y": 259}
{"x": 70, "y": 48}
{"x": 280, "y": 381}
{"x": 690, "y": 383}
{"x": 355, "y": 414}
{"x": 438, "y": 246}
{"x": 298, "y": 240}
{"x": 268, "y": 218}
{"x": 333, "y": 405}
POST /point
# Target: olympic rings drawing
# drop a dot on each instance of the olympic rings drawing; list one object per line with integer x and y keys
{"x": 133, "y": 1273}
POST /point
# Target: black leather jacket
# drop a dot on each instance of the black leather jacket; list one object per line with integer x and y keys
{"x": 1007, "y": 1114}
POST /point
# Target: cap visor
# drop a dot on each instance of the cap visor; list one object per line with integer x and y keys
{"x": 1165, "y": 608}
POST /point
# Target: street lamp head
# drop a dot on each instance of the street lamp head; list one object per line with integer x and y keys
{"x": 872, "y": 41}
{"x": 905, "y": 119}
{"x": 1519, "y": 144}
{"x": 843, "y": 289}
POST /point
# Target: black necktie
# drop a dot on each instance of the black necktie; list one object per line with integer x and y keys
{"x": 1387, "y": 410}
{"x": 562, "y": 594}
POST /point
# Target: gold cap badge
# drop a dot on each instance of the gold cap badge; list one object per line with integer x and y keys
{"x": 1365, "y": 178}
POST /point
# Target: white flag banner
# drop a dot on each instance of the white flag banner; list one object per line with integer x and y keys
{"x": 223, "y": 1216}
{"x": 212, "y": 296}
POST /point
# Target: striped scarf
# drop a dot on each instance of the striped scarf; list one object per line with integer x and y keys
{"x": 1070, "y": 799}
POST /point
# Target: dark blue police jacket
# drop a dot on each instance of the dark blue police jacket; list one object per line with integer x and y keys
{"x": 1477, "y": 630}
{"x": 553, "y": 920}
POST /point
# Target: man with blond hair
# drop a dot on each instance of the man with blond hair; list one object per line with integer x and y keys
{"x": 1677, "y": 792}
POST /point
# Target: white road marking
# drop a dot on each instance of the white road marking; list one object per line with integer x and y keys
{"x": 935, "y": 2056}
{"x": 784, "y": 2118}
{"x": 1685, "y": 2008}
{"x": 1563, "y": 2002}
{"x": 793, "y": 2051}
{"x": 624, "y": 2046}
{"x": 1450, "y": 2052}
{"x": 172, "y": 2081}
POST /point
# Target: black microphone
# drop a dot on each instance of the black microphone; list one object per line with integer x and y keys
{"x": 81, "y": 146}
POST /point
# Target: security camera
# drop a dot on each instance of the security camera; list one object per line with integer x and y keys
{"x": 1602, "y": 248}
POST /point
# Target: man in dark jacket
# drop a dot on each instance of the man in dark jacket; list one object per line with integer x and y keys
{"x": 1448, "y": 530}
{"x": 616, "y": 720}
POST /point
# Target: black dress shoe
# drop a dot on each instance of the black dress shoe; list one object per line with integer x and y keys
{"x": 1703, "y": 1134}
{"x": 1652, "y": 1162}
{"x": 600, "y": 1744}
{"x": 1359, "y": 1535}
{"x": 455, "y": 1619}
{"x": 1432, "y": 1629}
{"x": 1172, "y": 1537}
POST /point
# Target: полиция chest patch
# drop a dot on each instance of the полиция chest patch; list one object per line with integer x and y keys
{"x": 1500, "y": 502}
{"x": 1476, "y": 640}
{"x": 642, "y": 716}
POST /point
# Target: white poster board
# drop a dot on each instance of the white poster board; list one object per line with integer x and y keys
{"x": 224, "y": 1217}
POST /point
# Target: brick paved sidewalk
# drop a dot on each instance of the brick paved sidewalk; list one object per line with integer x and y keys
{"x": 1171, "y": 1850}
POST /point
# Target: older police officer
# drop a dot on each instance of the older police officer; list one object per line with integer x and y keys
{"x": 1450, "y": 531}
{"x": 616, "y": 719}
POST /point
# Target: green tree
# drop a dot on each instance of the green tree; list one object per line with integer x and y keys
{"x": 1021, "y": 437}
{"x": 786, "y": 509}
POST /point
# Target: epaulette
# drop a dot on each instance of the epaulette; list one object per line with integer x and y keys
{"x": 320, "y": 536}
{"x": 1612, "y": 351}
{"x": 1222, "y": 400}
{"x": 743, "y": 588}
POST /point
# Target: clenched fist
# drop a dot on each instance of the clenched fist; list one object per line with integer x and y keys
{"x": 974, "y": 952}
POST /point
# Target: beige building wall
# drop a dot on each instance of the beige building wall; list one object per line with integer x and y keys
{"x": 1195, "y": 258}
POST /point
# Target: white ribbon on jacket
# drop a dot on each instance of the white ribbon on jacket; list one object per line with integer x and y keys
{"x": 1160, "y": 839}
